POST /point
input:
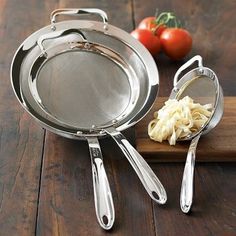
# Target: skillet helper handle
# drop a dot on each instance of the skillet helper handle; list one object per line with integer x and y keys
{"x": 102, "y": 194}
{"x": 76, "y": 12}
{"x": 58, "y": 34}
{"x": 186, "y": 193}
{"x": 186, "y": 65}
{"x": 149, "y": 180}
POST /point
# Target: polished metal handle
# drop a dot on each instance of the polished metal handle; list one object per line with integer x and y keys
{"x": 149, "y": 180}
{"x": 102, "y": 194}
{"x": 185, "y": 66}
{"x": 186, "y": 194}
{"x": 58, "y": 34}
{"x": 76, "y": 12}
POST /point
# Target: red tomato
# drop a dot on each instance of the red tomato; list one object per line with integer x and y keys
{"x": 149, "y": 23}
{"x": 148, "y": 39}
{"x": 176, "y": 42}
{"x": 159, "y": 30}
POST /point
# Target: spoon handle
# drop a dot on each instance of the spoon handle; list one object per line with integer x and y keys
{"x": 186, "y": 194}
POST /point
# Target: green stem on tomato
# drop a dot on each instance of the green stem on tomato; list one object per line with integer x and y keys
{"x": 169, "y": 19}
{"x": 154, "y": 30}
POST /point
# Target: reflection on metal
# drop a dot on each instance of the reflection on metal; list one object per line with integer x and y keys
{"x": 202, "y": 85}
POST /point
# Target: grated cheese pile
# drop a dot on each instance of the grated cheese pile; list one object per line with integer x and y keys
{"x": 177, "y": 119}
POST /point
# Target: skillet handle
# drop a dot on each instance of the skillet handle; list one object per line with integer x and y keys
{"x": 149, "y": 180}
{"x": 58, "y": 34}
{"x": 76, "y": 12}
{"x": 186, "y": 65}
{"x": 102, "y": 194}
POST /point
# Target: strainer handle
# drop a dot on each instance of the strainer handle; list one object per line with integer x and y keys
{"x": 102, "y": 194}
{"x": 57, "y": 34}
{"x": 146, "y": 175}
{"x": 186, "y": 65}
{"x": 186, "y": 193}
{"x": 76, "y": 12}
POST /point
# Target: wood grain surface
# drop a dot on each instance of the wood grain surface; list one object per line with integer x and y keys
{"x": 213, "y": 207}
{"x": 217, "y": 145}
{"x": 66, "y": 204}
{"x": 45, "y": 180}
{"x": 21, "y": 138}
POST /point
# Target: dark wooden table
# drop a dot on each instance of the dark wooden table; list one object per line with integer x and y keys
{"x": 45, "y": 180}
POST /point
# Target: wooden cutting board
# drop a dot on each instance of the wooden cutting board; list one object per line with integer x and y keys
{"x": 218, "y": 145}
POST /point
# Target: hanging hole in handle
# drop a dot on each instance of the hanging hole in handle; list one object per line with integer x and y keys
{"x": 155, "y": 195}
{"x": 160, "y": 199}
{"x": 105, "y": 220}
{"x": 186, "y": 209}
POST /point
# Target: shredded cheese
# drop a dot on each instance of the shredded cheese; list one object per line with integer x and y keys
{"x": 177, "y": 119}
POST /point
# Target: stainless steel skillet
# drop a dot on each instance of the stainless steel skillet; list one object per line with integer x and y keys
{"x": 86, "y": 79}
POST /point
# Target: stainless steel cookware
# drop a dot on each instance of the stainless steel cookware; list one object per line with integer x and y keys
{"x": 86, "y": 79}
{"x": 203, "y": 86}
